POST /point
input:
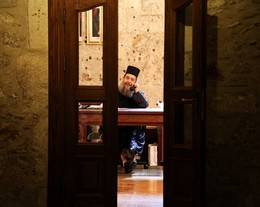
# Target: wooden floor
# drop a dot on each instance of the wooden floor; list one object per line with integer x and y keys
{"x": 143, "y": 188}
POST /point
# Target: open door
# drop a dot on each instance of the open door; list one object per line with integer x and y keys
{"x": 82, "y": 165}
{"x": 84, "y": 173}
{"x": 184, "y": 96}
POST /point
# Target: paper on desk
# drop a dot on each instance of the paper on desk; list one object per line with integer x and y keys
{"x": 96, "y": 106}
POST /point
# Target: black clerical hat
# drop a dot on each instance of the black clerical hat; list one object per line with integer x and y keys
{"x": 133, "y": 70}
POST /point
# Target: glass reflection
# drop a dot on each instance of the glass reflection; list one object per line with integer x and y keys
{"x": 90, "y": 117}
{"x": 90, "y": 35}
{"x": 184, "y": 41}
{"x": 187, "y": 123}
{"x": 183, "y": 128}
{"x": 188, "y": 56}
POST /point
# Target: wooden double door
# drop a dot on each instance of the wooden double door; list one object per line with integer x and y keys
{"x": 85, "y": 174}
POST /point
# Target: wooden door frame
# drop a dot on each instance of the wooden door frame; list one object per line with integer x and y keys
{"x": 56, "y": 100}
{"x": 56, "y": 123}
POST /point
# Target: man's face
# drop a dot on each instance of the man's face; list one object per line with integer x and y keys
{"x": 127, "y": 82}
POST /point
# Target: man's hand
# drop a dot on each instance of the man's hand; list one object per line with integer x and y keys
{"x": 136, "y": 86}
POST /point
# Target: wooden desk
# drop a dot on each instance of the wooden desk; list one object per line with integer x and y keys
{"x": 128, "y": 117}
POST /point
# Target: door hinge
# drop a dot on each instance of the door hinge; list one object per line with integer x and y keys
{"x": 64, "y": 21}
{"x": 64, "y": 63}
{"x": 64, "y": 15}
{"x": 202, "y": 109}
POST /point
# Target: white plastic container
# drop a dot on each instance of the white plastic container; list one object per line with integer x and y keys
{"x": 152, "y": 154}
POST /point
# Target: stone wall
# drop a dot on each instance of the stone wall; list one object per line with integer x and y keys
{"x": 233, "y": 123}
{"x": 23, "y": 103}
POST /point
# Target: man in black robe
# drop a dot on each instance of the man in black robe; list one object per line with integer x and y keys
{"x": 131, "y": 138}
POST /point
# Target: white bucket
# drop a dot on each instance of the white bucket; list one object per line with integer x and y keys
{"x": 152, "y": 155}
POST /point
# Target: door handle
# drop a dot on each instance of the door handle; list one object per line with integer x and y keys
{"x": 184, "y": 100}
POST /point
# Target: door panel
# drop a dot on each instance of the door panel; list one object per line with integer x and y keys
{"x": 184, "y": 97}
{"x": 89, "y": 165}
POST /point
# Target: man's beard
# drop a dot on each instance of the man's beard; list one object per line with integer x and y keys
{"x": 125, "y": 90}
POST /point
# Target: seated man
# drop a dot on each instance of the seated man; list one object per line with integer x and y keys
{"x": 131, "y": 138}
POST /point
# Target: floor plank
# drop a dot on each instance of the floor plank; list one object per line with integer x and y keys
{"x": 143, "y": 188}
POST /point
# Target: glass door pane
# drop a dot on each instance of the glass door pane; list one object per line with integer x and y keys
{"x": 90, "y": 118}
{"x": 184, "y": 47}
{"x": 90, "y": 31}
{"x": 183, "y": 128}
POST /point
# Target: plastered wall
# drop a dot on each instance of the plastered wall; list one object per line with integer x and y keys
{"x": 141, "y": 43}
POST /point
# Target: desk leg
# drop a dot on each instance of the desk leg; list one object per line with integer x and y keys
{"x": 82, "y": 133}
{"x": 160, "y": 144}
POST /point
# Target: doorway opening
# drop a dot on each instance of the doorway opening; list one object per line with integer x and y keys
{"x": 91, "y": 176}
{"x": 141, "y": 44}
